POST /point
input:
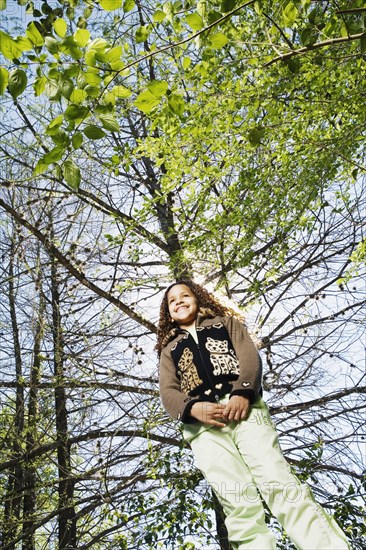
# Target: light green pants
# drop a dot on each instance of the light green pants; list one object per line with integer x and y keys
{"x": 244, "y": 457}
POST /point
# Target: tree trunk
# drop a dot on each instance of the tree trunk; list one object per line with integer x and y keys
{"x": 222, "y": 533}
{"x": 13, "y": 498}
{"x": 66, "y": 512}
{"x": 30, "y": 474}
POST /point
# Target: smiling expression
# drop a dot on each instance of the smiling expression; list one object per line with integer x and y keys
{"x": 182, "y": 305}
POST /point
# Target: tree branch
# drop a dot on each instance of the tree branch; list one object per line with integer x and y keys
{"x": 318, "y": 45}
{"x": 75, "y": 272}
{"x": 319, "y": 401}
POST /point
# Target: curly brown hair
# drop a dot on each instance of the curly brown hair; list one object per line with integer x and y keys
{"x": 205, "y": 300}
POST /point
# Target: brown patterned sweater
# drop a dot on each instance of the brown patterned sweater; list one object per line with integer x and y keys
{"x": 225, "y": 361}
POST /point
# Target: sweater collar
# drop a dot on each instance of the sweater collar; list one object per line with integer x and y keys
{"x": 203, "y": 314}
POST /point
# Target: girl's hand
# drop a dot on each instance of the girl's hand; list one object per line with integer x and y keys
{"x": 208, "y": 413}
{"x": 237, "y": 408}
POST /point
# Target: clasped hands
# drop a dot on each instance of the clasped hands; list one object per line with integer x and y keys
{"x": 217, "y": 414}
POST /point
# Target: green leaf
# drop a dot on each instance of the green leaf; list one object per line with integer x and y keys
{"x": 114, "y": 54}
{"x": 98, "y": 44}
{"x": 4, "y": 78}
{"x": 72, "y": 71}
{"x": 81, "y": 37}
{"x": 91, "y": 91}
{"x": 61, "y": 139}
{"x": 128, "y": 5}
{"x": 309, "y": 36}
{"x": 57, "y": 172}
{"x": 120, "y": 91}
{"x": 316, "y": 15}
{"x": 40, "y": 168}
{"x": 90, "y": 58}
{"x": 23, "y": 43}
{"x": 142, "y": 34}
{"x": 330, "y": 27}
{"x": 56, "y": 122}
{"x": 71, "y": 174}
{"x": 186, "y": 62}
{"x": 52, "y": 45}
{"x": 290, "y": 13}
{"x": 109, "y": 122}
{"x": 39, "y": 85}
{"x": 101, "y": 56}
{"x": 8, "y": 47}
{"x": 363, "y": 43}
{"x": 294, "y": 64}
{"x": 53, "y": 156}
{"x": 51, "y": 89}
{"x": 158, "y": 88}
{"x": 54, "y": 125}
{"x": 74, "y": 112}
{"x": 195, "y": 21}
{"x": 54, "y": 73}
{"x": 305, "y": 4}
{"x": 94, "y": 132}
{"x": 228, "y": 5}
{"x": 17, "y": 82}
{"x": 146, "y": 101}
{"x": 110, "y": 5}
{"x": 34, "y": 35}
{"x": 159, "y": 16}
{"x": 77, "y": 140}
{"x": 169, "y": 11}
{"x": 66, "y": 87}
{"x": 69, "y": 46}
{"x": 2, "y": 5}
{"x": 77, "y": 95}
{"x": 176, "y": 104}
{"x": 213, "y": 16}
{"x": 344, "y": 30}
{"x": 218, "y": 40}
{"x": 60, "y": 27}
{"x": 92, "y": 77}
{"x": 255, "y": 135}
{"x": 116, "y": 65}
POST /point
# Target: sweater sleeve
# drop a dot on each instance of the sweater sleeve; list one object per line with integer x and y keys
{"x": 175, "y": 402}
{"x": 249, "y": 382}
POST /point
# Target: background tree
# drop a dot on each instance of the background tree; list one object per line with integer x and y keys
{"x": 143, "y": 142}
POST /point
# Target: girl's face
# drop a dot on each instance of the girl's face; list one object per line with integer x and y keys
{"x": 182, "y": 305}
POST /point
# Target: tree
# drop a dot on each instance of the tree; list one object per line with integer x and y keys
{"x": 220, "y": 140}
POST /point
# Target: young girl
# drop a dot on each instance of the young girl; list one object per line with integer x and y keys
{"x": 210, "y": 379}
